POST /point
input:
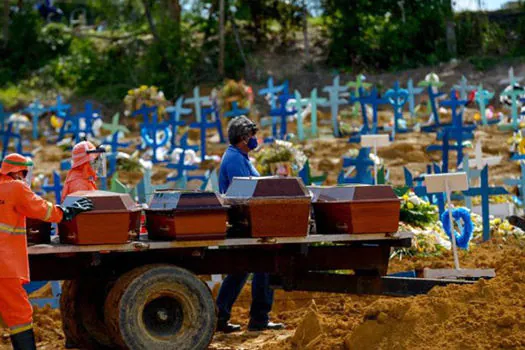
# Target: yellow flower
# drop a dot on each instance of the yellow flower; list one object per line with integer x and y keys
{"x": 496, "y": 221}
{"x": 131, "y": 92}
{"x": 410, "y": 205}
{"x": 405, "y": 197}
{"x": 143, "y": 88}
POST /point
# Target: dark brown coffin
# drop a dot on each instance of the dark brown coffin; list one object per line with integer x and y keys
{"x": 186, "y": 215}
{"x": 268, "y": 207}
{"x": 355, "y": 209}
{"x": 114, "y": 219}
{"x": 38, "y": 231}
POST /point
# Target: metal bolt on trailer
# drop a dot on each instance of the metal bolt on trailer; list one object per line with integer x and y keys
{"x": 146, "y": 294}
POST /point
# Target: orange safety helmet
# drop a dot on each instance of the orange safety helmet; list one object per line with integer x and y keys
{"x": 81, "y": 155}
{"x": 14, "y": 163}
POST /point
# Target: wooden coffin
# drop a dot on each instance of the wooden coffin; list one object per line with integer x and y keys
{"x": 114, "y": 220}
{"x": 268, "y": 207}
{"x": 186, "y": 215}
{"x": 38, "y": 231}
{"x": 355, "y": 209}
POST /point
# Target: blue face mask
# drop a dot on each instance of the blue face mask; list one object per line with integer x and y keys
{"x": 253, "y": 143}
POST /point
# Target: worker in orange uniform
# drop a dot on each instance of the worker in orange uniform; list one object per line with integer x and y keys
{"x": 88, "y": 163}
{"x": 17, "y": 202}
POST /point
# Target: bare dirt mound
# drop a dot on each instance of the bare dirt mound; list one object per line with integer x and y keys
{"x": 486, "y": 315}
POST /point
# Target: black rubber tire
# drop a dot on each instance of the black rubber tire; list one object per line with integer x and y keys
{"x": 82, "y": 309}
{"x": 160, "y": 307}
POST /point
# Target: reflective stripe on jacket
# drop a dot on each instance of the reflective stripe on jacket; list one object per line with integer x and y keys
{"x": 17, "y": 202}
{"x": 81, "y": 178}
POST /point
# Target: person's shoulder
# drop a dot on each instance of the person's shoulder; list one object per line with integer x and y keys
{"x": 232, "y": 152}
{"x": 13, "y": 185}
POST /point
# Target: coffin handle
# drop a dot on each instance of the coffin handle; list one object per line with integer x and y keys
{"x": 341, "y": 227}
{"x": 34, "y": 232}
{"x": 164, "y": 228}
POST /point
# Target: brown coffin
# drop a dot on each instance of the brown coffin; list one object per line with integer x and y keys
{"x": 114, "y": 220}
{"x": 186, "y": 215}
{"x": 355, "y": 209}
{"x": 268, "y": 207}
{"x": 38, "y": 232}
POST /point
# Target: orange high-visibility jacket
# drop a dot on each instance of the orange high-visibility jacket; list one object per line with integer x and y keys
{"x": 17, "y": 202}
{"x": 81, "y": 178}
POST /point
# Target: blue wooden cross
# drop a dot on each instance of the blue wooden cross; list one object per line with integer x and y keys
{"x": 306, "y": 175}
{"x": 358, "y": 85}
{"x": 272, "y": 91}
{"x": 149, "y": 129}
{"x": 515, "y": 97}
{"x": 432, "y": 96}
{"x": 61, "y": 109}
{"x": 236, "y": 111}
{"x": 334, "y": 101}
{"x": 56, "y": 291}
{"x": 464, "y": 88}
{"x": 397, "y": 98}
{"x": 482, "y": 98}
{"x": 70, "y": 125}
{"x": 65, "y": 164}
{"x": 198, "y": 101}
{"x": 114, "y": 144}
{"x": 520, "y": 183}
{"x": 362, "y": 164}
{"x": 449, "y": 134}
{"x": 10, "y": 134}
{"x": 145, "y": 111}
{"x": 56, "y": 187}
{"x": 35, "y": 110}
{"x": 216, "y": 117}
{"x": 374, "y": 101}
{"x": 465, "y": 131}
{"x": 175, "y": 113}
{"x": 412, "y": 92}
{"x": 204, "y": 125}
{"x": 283, "y": 113}
{"x": 89, "y": 115}
{"x": 181, "y": 168}
{"x": 485, "y": 192}
{"x": 3, "y": 116}
{"x": 315, "y": 101}
{"x": 299, "y": 105}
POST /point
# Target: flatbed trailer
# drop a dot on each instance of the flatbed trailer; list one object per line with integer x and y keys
{"x": 146, "y": 294}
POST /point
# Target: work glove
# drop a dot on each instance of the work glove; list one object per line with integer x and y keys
{"x": 79, "y": 206}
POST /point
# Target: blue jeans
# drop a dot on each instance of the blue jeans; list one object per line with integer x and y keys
{"x": 262, "y": 297}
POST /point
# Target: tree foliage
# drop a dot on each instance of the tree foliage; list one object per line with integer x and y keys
{"x": 174, "y": 44}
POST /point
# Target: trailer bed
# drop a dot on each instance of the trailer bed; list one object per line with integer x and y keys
{"x": 396, "y": 239}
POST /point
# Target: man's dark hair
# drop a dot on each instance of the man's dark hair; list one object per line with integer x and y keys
{"x": 240, "y": 127}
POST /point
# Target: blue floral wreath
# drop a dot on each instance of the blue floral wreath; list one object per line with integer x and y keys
{"x": 463, "y": 214}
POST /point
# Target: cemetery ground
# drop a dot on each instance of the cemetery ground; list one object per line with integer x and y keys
{"x": 485, "y": 315}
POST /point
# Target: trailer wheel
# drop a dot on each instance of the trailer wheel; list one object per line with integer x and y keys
{"x": 160, "y": 307}
{"x": 82, "y": 307}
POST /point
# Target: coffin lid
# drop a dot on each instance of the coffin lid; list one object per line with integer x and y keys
{"x": 357, "y": 193}
{"x": 267, "y": 186}
{"x": 104, "y": 202}
{"x": 184, "y": 200}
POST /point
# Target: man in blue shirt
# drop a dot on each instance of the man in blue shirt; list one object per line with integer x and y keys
{"x": 236, "y": 163}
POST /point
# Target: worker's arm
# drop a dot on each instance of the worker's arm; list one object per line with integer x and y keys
{"x": 33, "y": 206}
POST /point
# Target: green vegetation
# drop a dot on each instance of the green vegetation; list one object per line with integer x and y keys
{"x": 174, "y": 44}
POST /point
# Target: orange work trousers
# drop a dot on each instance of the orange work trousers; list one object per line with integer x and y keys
{"x": 15, "y": 309}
